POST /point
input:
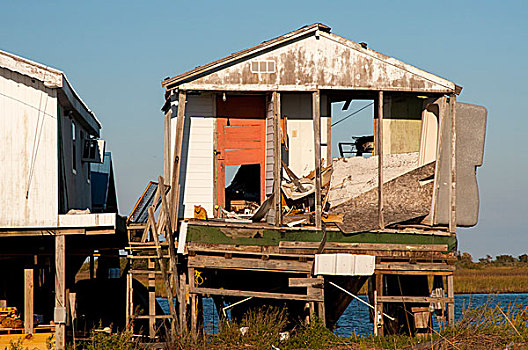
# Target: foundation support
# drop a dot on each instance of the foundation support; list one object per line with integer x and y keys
{"x": 60, "y": 292}
{"x": 28, "y": 301}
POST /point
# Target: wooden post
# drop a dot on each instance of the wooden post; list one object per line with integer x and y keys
{"x": 379, "y": 305}
{"x": 163, "y": 269}
{"x": 277, "y": 158}
{"x": 175, "y": 200}
{"x": 329, "y": 140}
{"x": 152, "y": 298}
{"x": 194, "y": 311}
{"x": 381, "y": 220}
{"x": 316, "y": 113}
{"x": 28, "y": 301}
{"x": 60, "y": 292}
{"x": 167, "y": 145}
{"x": 321, "y": 311}
{"x": 92, "y": 266}
{"x": 183, "y": 303}
{"x": 129, "y": 307}
{"x": 452, "y": 166}
{"x": 431, "y": 218}
{"x": 450, "y": 305}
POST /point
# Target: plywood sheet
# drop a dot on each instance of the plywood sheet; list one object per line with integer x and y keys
{"x": 405, "y": 197}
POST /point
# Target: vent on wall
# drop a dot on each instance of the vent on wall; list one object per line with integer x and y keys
{"x": 263, "y": 66}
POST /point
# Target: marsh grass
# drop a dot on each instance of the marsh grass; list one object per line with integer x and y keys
{"x": 492, "y": 279}
{"x": 480, "y": 328}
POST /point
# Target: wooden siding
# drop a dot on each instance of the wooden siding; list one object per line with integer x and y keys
{"x": 196, "y": 174}
{"x": 28, "y": 155}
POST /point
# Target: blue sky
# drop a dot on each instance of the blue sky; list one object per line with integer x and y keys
{"x": 117, "y": 52}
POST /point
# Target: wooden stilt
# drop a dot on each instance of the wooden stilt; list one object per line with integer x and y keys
{"x": 321, "y": 311}
{"x": 60, "y": 292}
{"x": 152, "y": 298}
{"x": 450, "y": 304}
{"x": 194, "y": 309}
{"x": 183, "y": 303}
{"x": 28, "y": 301}
{"x": 129, "y": 309}
{"x": 379, "y": 304}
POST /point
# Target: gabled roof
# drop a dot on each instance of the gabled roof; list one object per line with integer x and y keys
{"x": 252, "y": 50}
{"x": 51, "y": 78}
{"x": 355, "y": 64}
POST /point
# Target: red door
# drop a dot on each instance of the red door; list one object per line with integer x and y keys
{"x": 241, "y": 137}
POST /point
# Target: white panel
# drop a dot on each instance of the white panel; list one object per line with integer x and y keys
{"x": 28, "y": 152}
{"x": 87, "y": 220}
{"x": 344, "y": 264}
{"x": 197, "y": 174}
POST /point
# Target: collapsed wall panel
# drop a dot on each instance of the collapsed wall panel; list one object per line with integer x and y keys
{"x": 354, "y": 176}
{"x": 405, "y": 197}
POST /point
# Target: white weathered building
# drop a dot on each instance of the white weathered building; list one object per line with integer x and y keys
{"x": 49, "y": 137}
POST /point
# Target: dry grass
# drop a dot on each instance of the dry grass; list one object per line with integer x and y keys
{"x": 492, "y": 279}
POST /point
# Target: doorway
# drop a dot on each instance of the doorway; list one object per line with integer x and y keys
{"x": 240, "y": 141}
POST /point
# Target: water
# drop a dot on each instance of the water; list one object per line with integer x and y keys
{"x": 355, "y": 319}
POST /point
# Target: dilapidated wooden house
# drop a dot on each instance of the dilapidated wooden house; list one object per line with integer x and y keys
{"x": 48, "y": 223}
{"x": 298, "y": 224}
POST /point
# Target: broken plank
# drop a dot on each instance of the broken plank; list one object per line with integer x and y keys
{"x": 244, "y": 293}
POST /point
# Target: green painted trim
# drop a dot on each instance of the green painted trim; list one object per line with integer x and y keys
{"x": 208, "y": 234}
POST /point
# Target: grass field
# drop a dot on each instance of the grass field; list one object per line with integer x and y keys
{"x": 492, "y": 279}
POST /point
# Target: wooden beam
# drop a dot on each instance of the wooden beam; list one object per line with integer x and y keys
{"x": 413, "y": 267}
{"x": 316, "y": 114}
{"x": 304, "y": 282}
{"x": 277, "y": 158}
{"x": 380, "y": 160}
{"x": 244, "y": 293}
{"x": 28, "y": 301}
{"x": 367, "y": 246}
{"x": 60, "y": 292}
{"x": 219, "y": 262}
{"x": 413, "y": 299}
{"x": 452, "y": 166}
{"x": 167, "y": 145}
{"x": 175, "y": 195}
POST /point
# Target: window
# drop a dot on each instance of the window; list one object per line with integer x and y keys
{"x": 74, "y": 147}
{"x": 263, "y": 66}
